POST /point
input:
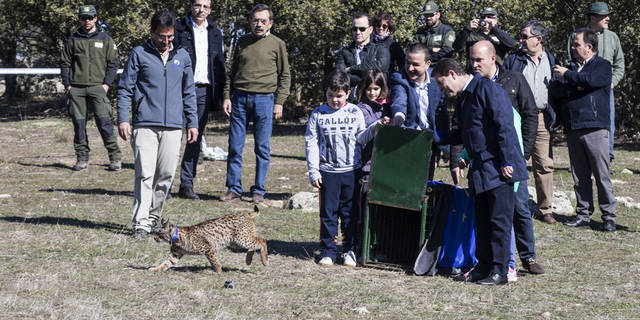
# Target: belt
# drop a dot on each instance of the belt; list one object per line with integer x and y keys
{"x": 200, "y": 85}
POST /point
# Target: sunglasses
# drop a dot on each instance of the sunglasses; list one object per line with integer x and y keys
{"x": 524, "y": 37}
{"x": 383, "y": 26}
{"x": 488, "y": 17}
{"x": 361, "y": 29}
{"x": 84, "y": 18}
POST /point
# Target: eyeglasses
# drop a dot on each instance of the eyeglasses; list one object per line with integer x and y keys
{"x": 261, "y": 21}
{"x": 84, "y": 18}
{"x": 164, "y": 37}
{"x": 361, "y": 29}
{"x": 488, "y": 17}
{"x": 525, "y": 37}
{"x": 382, "y": 26}
{"x": 429, "y": 15}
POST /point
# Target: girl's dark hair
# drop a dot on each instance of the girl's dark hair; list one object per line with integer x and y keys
{"x": 372, "y": 76}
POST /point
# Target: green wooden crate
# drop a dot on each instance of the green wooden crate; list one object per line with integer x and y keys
{"x": 396, "y": 215}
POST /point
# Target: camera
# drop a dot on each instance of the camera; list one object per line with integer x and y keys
{"x": 481, "y": 24}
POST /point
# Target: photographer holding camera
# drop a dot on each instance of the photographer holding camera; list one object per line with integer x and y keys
{"x": 485, "y": 27}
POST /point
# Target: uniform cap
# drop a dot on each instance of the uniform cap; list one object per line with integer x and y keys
{"x": 430, "y": 7}
{"x": 87, "y": 10}
{"x": 489, "y": 11}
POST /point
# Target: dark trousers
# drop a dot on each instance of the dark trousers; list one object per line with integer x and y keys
{"x": 84, "y": 100}
{"x": 338, "y": 199}
{"x": 494, "y": 220}
{"x": 189, "y": 165}
{"x": 523, "y": 224}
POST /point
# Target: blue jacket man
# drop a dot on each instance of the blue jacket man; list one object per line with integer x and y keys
{"x": 157, "y": 84}
{"x": 584, "y": 97}
{"x": 485, "y": 126}
{"x": 406, "y": 101}
{"x": 418, "y": 103}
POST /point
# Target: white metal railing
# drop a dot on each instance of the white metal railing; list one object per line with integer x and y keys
{"x": 21, "y": 71}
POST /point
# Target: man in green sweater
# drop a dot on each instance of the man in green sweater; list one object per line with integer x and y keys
{"x": 88, "y": 67}
{"x": 609, "y": 48}
{"x": 258, "y": 85}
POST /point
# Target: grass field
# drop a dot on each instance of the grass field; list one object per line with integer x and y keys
{"x": 68, "y": 252}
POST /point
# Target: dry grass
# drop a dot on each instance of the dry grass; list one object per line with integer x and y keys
{"x": 68, "y": 253}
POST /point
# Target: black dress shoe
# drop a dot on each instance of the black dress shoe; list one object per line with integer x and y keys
{"x": 576, "y": 222}
{"x": 187, "y": 192}
{"x": 493, "y": 279}
{"x": 473, "y": 276}
{"x": 609, "y": 226}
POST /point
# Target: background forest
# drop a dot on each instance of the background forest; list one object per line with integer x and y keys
{"x": 33, "y": 31}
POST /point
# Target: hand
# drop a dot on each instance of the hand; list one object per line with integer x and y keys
{"x": 67, "y": 88}
{"x": 192, "y": 135}
{"x": 507, "y": 172}
{"x": 462, "y": 163}
{"x": 559, "y": 70}
{"x": 397, "y": 120}
{"x": 457, "y": 174}
{"x": 226, "y": 107}
{"x": 277, "y": 111}
{"x": 612, "y": 86}
{"x": 491, "y": 23}
{"x": 473, "y": 24}
{"x": 105, "y": 87}
{"x": 384, "y": 120}
{"x": 317, "y": 183}
{"x": 124, "y": 129}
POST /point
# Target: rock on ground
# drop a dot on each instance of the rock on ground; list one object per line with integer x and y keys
{"x": 307, "y": 201}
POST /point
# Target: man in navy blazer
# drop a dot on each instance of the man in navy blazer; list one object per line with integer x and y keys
{"x": 485, "y": 127}
{"x": 417, "y": 102}
{"x": 583, "y": 93}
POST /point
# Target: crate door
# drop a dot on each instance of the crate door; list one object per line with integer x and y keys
{"x": 400, "y": 167}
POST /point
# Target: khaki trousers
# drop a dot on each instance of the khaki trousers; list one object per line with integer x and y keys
{"x": 542, "y": 165}
{"x": 157, "y": 154}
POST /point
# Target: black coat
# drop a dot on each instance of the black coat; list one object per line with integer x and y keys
{"x": 396, "y": 55}
{"x": 217, "y": 74}
{"x": 522, "y": 100}
{"x": 374, "y": 57}
{"x": 584, "y": 96}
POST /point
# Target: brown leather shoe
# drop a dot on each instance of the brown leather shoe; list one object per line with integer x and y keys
{"x": 257, "y": 198}
{"x": 532, "y": 266}
{"x": 230, "y": 196}
{"x": 548, "y": 218}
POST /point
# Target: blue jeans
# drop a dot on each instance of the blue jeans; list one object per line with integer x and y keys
{"x": 246, "y": 107}
{"x": 525, "y": 241}
{"x": 613, "y": 125}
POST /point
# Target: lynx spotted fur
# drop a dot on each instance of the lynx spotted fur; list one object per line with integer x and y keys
{"x": 235, "y": 230}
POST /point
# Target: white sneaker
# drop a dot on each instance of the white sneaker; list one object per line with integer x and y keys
{"x": 512, "y": 275}
{"x": 326, "y": 261}
{"x": 349, "y": 259}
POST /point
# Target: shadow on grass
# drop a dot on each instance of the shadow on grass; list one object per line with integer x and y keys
{"x": 289, "y": 157}
{"x": 64, "y": 166}
{"x": 86, "y": 224}
{"x": 299, "y": 250}
{"x": 192, "y": 269}
{"x": 51, "y": 165}
{"x": 593, "y": 225}
{"x": 90, "y": 191}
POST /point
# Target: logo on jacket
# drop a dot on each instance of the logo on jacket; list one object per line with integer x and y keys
{"x": 176, "y": 62}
